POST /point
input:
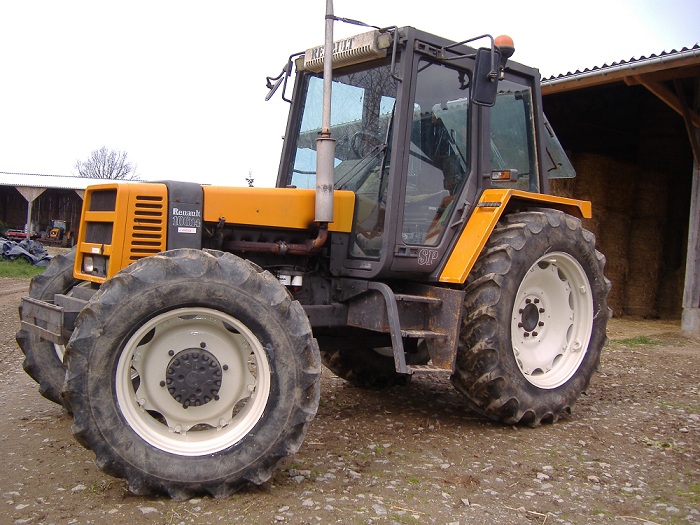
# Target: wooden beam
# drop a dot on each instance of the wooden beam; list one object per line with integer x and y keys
{"x": 30, "y": 194}
{"x": 693, "y": 137}
{"x": 690, "y": 320}
{"x": 665, "y": 75}
{"x": 668, "y": 96}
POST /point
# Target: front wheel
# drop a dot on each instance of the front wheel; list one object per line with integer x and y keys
{"x": 192, "y": 372}
{"x": 534, "y": 320}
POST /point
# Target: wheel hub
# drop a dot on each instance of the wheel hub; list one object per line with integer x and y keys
{"x": 530, "y": 317}
{"x": 193, "y": 377}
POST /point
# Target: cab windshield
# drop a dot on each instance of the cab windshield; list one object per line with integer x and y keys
{"x": 362, "y": 105}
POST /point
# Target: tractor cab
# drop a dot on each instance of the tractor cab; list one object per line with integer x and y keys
{"x": 422, "y": 126}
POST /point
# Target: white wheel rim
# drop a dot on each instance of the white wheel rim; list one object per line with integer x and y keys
{"x": 150, "y": 362}
{"x": 552, "y": 320}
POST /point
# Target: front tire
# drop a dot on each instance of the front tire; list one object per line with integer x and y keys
{"x": 534, "y": 320}
{"x": 192, "y": 372}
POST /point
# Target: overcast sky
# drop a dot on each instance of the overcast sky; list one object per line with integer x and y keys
{"x": 180, "y": 85}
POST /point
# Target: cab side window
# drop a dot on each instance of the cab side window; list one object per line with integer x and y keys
{"x": 513, "y": 136}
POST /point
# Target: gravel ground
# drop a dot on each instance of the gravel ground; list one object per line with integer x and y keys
{"x": 628, "y": 454}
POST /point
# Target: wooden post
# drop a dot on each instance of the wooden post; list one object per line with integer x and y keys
{"x": 690, "y": 320}
{"x": 30, "y": 194}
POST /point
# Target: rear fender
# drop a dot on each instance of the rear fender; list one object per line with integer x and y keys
{"x": 487, "y": 212}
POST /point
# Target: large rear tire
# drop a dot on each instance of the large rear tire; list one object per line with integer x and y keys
{"x": 192, "y": 372}
{"x": 43, "y": 361}
{"x": 535, "y": 317}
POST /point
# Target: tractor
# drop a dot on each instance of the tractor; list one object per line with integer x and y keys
{"x": 59, "y": 233}
{"x": 411, "y": 231}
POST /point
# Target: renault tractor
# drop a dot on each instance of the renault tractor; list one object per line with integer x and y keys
{"x": 411, "y": 231}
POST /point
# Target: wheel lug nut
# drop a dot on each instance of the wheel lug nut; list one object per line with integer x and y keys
{"x": 527, "y": 301}
{"x": 202, "y": 345}
{"x": 534, "y": 334}
{"x": 162, "y": 383}
{"x": 225, "y": 367}
{"x": 171, "y": 353}
{"x": 541, "y": 323}
{"x": 536, "y": 300}
{"x": 541, "y": 310}
{"x": 520, "y": 325}
{"x": 526, "y": 334}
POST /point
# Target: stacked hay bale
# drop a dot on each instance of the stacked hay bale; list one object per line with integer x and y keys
{"x": 646, "y": 244}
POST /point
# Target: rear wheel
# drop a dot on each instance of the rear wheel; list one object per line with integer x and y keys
{"x": 534, "y": 320}
{"x": 43, "y": 360}
{"x": 191, "y": 373}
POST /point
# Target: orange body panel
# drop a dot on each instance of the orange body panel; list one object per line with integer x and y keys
{"x": 483, "y": 221}
{"x": 139, "y": 222}
{"x": 138, "y": 217}
{"x": 274, "y": 207}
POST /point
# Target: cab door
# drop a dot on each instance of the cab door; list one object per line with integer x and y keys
{"x": 440, "y": 181}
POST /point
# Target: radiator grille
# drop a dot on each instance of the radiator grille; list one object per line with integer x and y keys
{"x": 148, "y": 226}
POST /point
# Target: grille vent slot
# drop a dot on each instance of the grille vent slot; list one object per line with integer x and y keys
{"x": 148, "y": 227}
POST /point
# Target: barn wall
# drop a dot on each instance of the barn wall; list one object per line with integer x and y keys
{"x": 13, "y": 207}
{"x": 57, "y": 204}
{"x": 51, "y": 204}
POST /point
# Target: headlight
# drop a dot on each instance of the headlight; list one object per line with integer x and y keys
{"x": 88, "y": 264}
{"x": 95, "y": 265}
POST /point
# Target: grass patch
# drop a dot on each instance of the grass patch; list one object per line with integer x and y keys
{"x": 403, "y": 518}
{"x": 19, "y": 268}
{"x": 641, "y": 340}
{"x": 692, "y": 493}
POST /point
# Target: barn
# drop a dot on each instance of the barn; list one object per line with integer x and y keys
{"x": 632, "y": 131}
{"x": 30, "y": 202}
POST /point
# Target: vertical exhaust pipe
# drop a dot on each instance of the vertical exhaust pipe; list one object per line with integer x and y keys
{"x": 325, "y": 145}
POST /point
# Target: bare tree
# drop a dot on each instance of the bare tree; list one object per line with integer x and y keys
{"x": 107, "y": 164}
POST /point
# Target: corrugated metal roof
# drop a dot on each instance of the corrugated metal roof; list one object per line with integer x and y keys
{"x": 617, "y": 71}
{"x": 34, "y": 180}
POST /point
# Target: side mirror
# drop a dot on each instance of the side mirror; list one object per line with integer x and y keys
{"x": 486, "y": 76}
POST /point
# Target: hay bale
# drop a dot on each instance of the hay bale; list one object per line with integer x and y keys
{"x": 644, "y": 250}
{"x": 620, "y": 185}
{"x": 613, "y": 242}
{"x": 591, "y": 180}
{"x": 563, "y": 187}
{"x": 651, "y": 195}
